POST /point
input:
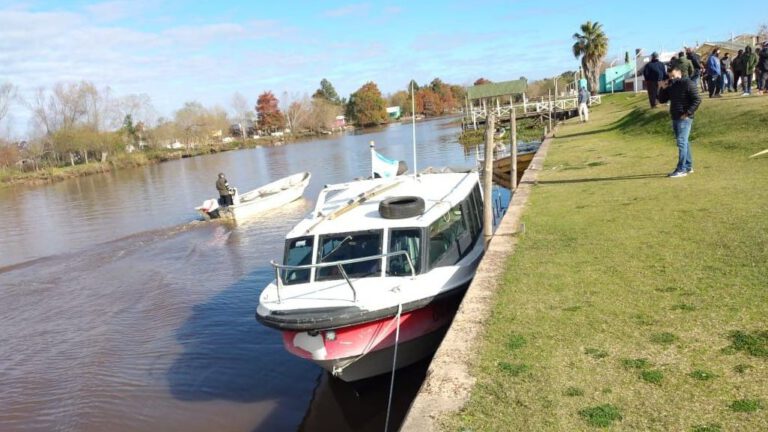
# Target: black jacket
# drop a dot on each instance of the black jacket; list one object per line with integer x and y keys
{"x": 655, "y": 71}
{"x": 696, "y": 61}
{"x": 762, "y": 63}
{"x": 683, "y": 97}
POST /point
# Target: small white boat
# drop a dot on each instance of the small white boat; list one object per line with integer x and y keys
{"x": 267, "y": 197}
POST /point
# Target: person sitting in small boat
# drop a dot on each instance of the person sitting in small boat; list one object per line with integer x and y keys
{"x": 225, "y": 192}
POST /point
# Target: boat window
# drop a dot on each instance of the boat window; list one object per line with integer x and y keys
{"x": 339, "y": 247}
{"x": 298, "y": 252}
{"x": 409, "y": 241}
{"x": 471, "y": 215}
{"x": 449, "y": 239}
{"x": 477, "y": 199}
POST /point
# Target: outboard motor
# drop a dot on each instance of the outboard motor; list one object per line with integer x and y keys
{"x": 211, "y": 208}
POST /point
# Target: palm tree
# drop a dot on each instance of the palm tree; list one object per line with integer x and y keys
{"x": 592, "y": 46}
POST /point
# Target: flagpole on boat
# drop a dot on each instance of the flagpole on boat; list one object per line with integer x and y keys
{"x": 372, "y": 145}
{"x": 413, "y": 128}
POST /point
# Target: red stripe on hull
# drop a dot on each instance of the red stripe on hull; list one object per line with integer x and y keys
{"x": 377, "y": 335}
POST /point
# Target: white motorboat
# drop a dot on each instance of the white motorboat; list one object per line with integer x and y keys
{"x": 379, "y": 263}
{"x": 267, "y": 197}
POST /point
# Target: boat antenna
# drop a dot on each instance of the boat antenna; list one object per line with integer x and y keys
{"x": 413, "y": 128}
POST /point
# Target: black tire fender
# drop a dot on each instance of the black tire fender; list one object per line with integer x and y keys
{"x": 401, "y": 207}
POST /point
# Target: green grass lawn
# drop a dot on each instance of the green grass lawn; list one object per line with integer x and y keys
{"x": 634, "y": 301}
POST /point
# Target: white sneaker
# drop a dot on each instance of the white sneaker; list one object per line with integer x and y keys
{"x": 678, "y": 174}
{"x": 745, "y": 94}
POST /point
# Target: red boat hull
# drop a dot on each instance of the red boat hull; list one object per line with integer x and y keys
{"x": 364, "y": 350}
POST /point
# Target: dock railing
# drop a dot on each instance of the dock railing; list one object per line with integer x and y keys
{"x": 340, "y": 264}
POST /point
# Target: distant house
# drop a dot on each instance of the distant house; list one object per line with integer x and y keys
{"x": 340, "y": 121}
{"x": 175, "y": 145}
{"x": 393, "y": 112}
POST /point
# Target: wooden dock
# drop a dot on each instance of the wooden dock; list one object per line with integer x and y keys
{"x": 566, "y": 107}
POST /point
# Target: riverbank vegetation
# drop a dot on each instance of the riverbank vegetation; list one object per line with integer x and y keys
{"x": 79, "y": 129}
{"x": 635, "y": 301}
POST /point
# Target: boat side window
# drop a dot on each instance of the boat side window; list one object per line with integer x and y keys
{"x": 478, "y": 201}
{"x": 471, "y": 215}
{"x": 409, "y": 241}
{"x": 449, "y": 239}
{"x": 298, "y": 252}
{"x": 339, "y": 247}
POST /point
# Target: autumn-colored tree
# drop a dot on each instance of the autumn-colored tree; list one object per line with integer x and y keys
{"x": 366, "y": 106}
{"x": 481, "y": 81}
{"x": 271, "y": 119}
{"x": 428, "y": 103}
{"x": 9, "y": 154}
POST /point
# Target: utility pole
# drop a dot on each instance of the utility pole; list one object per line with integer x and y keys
{"x": 488, "y": 178}
{"x": 513, "y": 174}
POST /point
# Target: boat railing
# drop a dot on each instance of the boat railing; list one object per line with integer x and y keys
{"x": 340, "y": 265}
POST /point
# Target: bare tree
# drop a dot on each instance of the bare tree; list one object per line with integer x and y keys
{"x": 7, "y": 95}
{"x": 242, "y": 112}
{"x": 297, "y": 110}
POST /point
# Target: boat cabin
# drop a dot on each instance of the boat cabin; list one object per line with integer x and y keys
{"x": 439, "y": 223}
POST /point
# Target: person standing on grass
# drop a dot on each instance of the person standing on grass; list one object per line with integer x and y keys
{"x": 725, "y": 66}
{"x": 750, "y": 61}
{"x": 686, "y": 67}
{"x": 683, "y": 97}
{"x": 762, "y": 70}
{"x": 696, "y": 63}
{"x": 583, "y": 105}
{"x": 654, "y": 72}
{"x": 714, "y": 75}
{"x": 738, "y": 69}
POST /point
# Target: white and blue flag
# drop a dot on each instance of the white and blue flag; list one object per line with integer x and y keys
{"x": 382, "y": 166}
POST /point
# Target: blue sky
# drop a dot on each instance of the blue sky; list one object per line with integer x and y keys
{"x": 178, "y": 51}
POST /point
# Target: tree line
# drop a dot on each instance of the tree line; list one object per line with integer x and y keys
{"x": 78, "y": 122}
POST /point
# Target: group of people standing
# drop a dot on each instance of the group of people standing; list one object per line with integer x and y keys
{"x": 726, "y": 74}
{"x": 715, "y": 75}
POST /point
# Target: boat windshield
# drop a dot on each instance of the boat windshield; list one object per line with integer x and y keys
{"x": 339, "y": 247}
{"x": 298, "y": 252}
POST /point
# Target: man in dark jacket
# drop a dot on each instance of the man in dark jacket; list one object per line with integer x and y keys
{"x": 696, "y": 63}
{"x": 749, "y": 60}
{"x": 654, "y": 72}
{"x": 762, "y": 70}
{"x": 225, "y": 193}
{"x": 738, "y": 69}
{"x": 714, "y": 74}
{"x": 684, "y": 100}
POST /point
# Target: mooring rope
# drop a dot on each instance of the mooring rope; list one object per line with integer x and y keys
{"x": 394, "y": 366}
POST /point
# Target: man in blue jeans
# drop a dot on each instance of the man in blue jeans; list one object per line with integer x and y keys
{"x": 683, "y": 97}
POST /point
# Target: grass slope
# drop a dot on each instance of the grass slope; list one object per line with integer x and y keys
{"x": 634, "y": 301}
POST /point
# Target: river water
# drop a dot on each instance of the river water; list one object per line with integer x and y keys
{"x": 119, "y": 311}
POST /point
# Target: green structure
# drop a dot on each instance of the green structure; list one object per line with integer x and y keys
{"x": 612, "y": 80}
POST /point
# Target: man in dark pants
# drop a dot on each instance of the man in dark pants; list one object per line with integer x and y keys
{"x": 225, "y": 194}
{"x": 738, "y": 69}
{"x": 696, "y": 62}
{"x": 762, "y": 70}
{"x": 714, "y": 74}
{"x": 654, "y": 73}
{"x": 684, "y": 100}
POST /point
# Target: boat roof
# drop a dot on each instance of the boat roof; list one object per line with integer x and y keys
{"x": 440, "y": 191}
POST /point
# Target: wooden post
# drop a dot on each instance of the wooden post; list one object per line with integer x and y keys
{"x": 488, "y": 180}
{"x": 513, "y": 131}
{"x": 549, "y": 102}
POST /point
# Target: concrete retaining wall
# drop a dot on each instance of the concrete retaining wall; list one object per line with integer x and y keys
{"x": 449, "y": 382}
